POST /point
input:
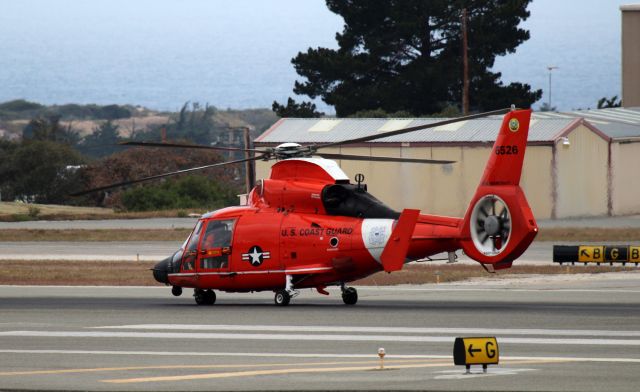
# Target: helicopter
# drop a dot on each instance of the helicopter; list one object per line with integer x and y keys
{"x": 309, "y": 226}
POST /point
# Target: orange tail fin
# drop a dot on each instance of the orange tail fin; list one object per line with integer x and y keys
{"x": 499, "y": 225}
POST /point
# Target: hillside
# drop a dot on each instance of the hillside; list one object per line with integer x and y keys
{"x": 85, "y": 119}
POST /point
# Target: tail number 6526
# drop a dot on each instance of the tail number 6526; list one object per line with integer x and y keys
{"x": 506, "y": 150}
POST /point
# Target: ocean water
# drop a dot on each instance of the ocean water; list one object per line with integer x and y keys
{"x": 236, "y": 53}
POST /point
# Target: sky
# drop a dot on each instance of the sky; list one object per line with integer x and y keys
{"x": 236, "y": 53}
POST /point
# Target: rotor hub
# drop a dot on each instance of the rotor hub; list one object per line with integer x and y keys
{"x": 291, "y": 150}
{"x": 492, "y": 225}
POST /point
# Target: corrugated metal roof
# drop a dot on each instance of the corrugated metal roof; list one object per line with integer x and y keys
{"x": 480, "y": 130}
{"x": 614, "y": 122}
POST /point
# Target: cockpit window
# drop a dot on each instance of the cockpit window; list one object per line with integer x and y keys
{"x": 218, "y": 234}
{"x": 193, "y": 241}
{"x": 216, "y": 244}
{"x": 188, "y": 262}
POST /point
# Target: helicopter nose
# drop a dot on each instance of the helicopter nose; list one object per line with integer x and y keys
{"x": 161, "y": 271}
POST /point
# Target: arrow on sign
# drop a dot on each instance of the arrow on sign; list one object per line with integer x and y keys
{"x": 584, "y": 253}
{"x": 471, "y": 350}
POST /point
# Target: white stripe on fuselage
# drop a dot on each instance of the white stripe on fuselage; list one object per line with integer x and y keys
{"x": 375, "y": 234}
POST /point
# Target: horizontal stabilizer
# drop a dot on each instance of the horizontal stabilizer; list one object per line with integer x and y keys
{"x": 395, "y": 252}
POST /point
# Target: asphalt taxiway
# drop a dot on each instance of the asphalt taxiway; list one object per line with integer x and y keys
{"x": 539, "y": 253}
{"x": 555, "y": 333}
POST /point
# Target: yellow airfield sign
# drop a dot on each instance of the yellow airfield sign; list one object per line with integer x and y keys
{"x": 607, "y": 254}
{"x": 591, "y": 254}
{"x": 476, "y": 351}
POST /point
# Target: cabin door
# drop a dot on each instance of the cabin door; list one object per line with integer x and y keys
{"x": 215, "y": 247}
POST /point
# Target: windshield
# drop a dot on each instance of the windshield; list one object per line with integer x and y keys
{"x": 193, "y": 241}
{"x": 188, "y": 262}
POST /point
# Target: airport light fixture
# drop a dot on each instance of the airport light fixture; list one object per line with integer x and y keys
{"x": 550, "y": 68}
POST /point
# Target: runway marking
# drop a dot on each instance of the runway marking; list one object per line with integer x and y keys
{"x": 226, "y": 366}
{"x": 307, "y": 355}
{"x": 251, "y": 373}
{"x": 457, "y": 375}
{"x": 328, "y": 328}
{"x": 310, "y": 337}
{"x": 443, "y": 289}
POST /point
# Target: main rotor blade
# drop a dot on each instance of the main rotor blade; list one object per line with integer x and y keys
{"x": 123, "y": 183}
{"x": 411, "y": 129}
{"x": 381, "y": 159}
{"x": 179, "y": 145}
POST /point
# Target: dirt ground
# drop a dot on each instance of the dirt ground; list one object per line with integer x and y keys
{"x": 131, "y": 273}
{"x": 552, "y": 234}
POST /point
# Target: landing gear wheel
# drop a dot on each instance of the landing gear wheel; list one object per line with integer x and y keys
{"x": 210, "y": 297}
{"x": 350, "y": 296}
{"x": 282, "y": 298}
{"x": 176, "y": 291}
{"x": 204, "y": 297}
{"x": 200, "y": 296}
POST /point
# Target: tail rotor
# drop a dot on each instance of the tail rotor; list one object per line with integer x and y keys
{"x": 490, "y": 225}
{"x": 499, "y": 224}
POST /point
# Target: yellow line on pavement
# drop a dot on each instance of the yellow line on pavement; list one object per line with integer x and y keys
{"x": 115, "y": 369}
{"x": 269, "y": 372}
{"x": 250, "y": 373}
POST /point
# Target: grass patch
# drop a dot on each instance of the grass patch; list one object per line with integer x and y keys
{"x": 94, "y": 235}
{"x": 591, "y": 234}
{"x": 76, "y": 273}
{"x": 132, "y": 273}
{"x": 179, "y": 234}
{"x": 428, "y": 273}
{"x": 19, "y": 212}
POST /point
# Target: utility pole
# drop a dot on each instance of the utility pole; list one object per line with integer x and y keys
{"x": 465, "y": 66}
{"x": 250, "y": 177}
{"x": 550, "y": 68}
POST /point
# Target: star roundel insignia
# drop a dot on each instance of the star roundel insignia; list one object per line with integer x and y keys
{"x": 256, "y": 256}
{"x": 514, "y": 125}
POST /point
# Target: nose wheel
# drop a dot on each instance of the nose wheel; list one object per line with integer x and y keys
{"x": 349, "y": 295}
{"x": 176, "y": 291}
{"x": 204, "y": 297}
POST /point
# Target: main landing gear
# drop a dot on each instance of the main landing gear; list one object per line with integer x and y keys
{"x": 349, "y": 295}
{"x": 204, "y": 297}
{"x": 283, "y": 297}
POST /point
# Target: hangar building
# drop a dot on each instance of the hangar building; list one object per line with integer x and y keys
{"x": 576, "y": 164}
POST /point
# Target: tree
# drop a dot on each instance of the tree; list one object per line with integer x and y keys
{"x": 50, "y": 129}
{"x": 546, "y": 108}
{"x": 136, "y": 163}
{"x": 103, "y": 141}
{"x": 406, "y": 55}
{"x": 612, "y": 102}
{"x": 42, "y": 171}
{"x": 186, "y": 192}
{"x": 195, "y": 124}
{"x": 293, "y": 109}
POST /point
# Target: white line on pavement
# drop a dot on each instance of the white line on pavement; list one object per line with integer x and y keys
{"x": 328, "y": 328}
{"x": 429, "y": 288}
{"x": 308, "y": 337}
{"x": 302, "y": 355}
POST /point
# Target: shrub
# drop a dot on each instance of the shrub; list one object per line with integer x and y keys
{"x": 33, "y": 211}
{"x": 187, "y": 192}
